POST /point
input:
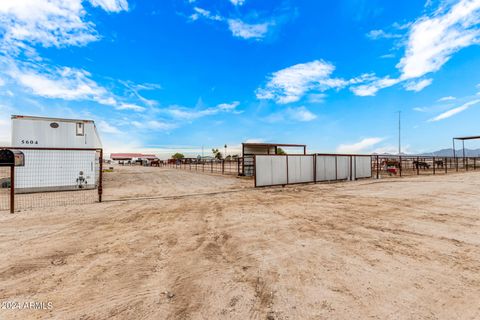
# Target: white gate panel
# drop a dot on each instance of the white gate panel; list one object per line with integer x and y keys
{"x": 363, "y": 167}
{"x": 300, "y": 169}
{"x": 343, "y": 167}
{"x": 55, "y": 170}
{"x": 326, "y": 167}
{"x": 270, "y": 170}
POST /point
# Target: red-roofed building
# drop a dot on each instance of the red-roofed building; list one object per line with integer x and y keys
{"x": 131, "y": 156}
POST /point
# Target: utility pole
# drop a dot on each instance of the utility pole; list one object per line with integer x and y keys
{"x": 399, "y": 133}
{"x": 225, "y": 156}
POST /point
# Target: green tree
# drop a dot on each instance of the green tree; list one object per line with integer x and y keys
{"x": 280, "y": 151}
{"x": 217, "y": 154}
{"x": 178, "y": 156}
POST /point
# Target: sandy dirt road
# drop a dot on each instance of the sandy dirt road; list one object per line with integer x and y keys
{"x": 389, "y": 249}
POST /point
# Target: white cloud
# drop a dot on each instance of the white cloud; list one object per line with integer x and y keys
{"x": 154, "y": 125}
{"x": 291, "y": 84}
{"x": 387, "y": 56}
{"x": 298, "y": 114}
{"x": 2, "y": 82}
{"x": 420, "y": 109}
{"x": 111, "y": 5}
{"x": 454, "y": 111}
{"x": 244, "y": 30}
{"x": 374, "y": 86}
{"x": 64, "y": 83}
{"x": 433, "y": 40}
{"x": 448, "y": 98}
{"x": 301, "y": 114}
{"x": 316, "y": 97}
{"x": 418, "y": 85}
{"x": 238, "y": 2}
{"x": 380, "y": 34}
{"x": 360, "y": 146}
{"x": 49, "y": 23}
{"x": 200, "y": 12}
{"x": 182, "y": 113}
{"x": 130, "y": 106}
{"x": 105, "y": 127}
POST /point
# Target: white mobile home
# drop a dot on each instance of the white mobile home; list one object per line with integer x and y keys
{"x": 56, "y": 162}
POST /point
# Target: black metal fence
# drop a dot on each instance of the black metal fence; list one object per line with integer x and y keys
{"x": 228, "y": 167}
{"x": 400, "y": 166}
{"x": 52, "y": 177}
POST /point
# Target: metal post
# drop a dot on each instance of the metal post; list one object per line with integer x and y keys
{"x": 446, "y": 165}
{"x": 254, "y": 171}
{"x": 286, "y": 158}
{"x": 223, "y": 166}
{"x": 434, "y": 165}
{"x": 100, "y": 177}
{"x": 378, "y": 168}
{"x": 315, "y": 168}
{"x": 418, "y": 167}
{"x": 12, "y": 188}
{"x": 400, "y": 165}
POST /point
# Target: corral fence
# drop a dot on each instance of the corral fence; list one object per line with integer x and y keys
{"x": 227, "y": 167}
{"x": 52, "y": 177}
{"x": 401, "y": 166}
{"x": 274, "y": 170}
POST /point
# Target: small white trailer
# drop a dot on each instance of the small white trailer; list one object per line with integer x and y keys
{"x": 59, "y": 154}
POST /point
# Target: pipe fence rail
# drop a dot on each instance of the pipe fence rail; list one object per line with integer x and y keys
{"x": 400, "y": 166}
{"x": 52, "y": 177}
{"x": 226, "y": 167}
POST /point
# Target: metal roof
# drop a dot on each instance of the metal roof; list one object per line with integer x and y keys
{"x": 467, "y": 138}
{"x": 14, "y": 116}
{"x": 273, "y": 144}
{"x": 131, "y": 156}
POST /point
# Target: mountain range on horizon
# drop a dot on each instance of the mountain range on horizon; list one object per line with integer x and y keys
{"x": 445, "y": 153}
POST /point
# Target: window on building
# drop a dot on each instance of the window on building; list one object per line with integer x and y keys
{"x": 80, "y": 129}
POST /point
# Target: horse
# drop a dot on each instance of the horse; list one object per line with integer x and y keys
{"x": 421, "y": 165}
{"x": 439, "y": 163}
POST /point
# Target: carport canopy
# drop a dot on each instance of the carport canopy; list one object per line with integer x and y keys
{"x": 269, "y": 148}
{"x": 463, "y": 143}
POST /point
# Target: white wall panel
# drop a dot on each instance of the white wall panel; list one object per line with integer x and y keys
{"x": 270, "y": 170}
{"x": 300, "y": 169}
{"x": 343, "y": 167}
{"x": 326, "y": 168}
{"x": 363, "y": 167}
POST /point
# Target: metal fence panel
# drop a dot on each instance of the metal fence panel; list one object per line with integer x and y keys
{"x": 300, "y": 168}
{"x": 363, "y": 167}
{"x": 57, "y": 170}
{"x": 270, "y": 170}
{"x": 326, "y": 168}
{"x": 343, "y": 167}
{"x": 53, "y": 177}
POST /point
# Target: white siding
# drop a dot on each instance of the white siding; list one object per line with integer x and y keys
{"x": 343, "y": 167}
{"x": 326, "y": 167}
{"x": 251, "y": 149}
{"x": 300, "y": 168}
{"x": 270, "y": 170}
{"x": 363, "y": 167}
{"x": 28, "y": 132}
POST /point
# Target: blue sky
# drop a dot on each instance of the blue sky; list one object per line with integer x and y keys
{"x": 159, "y": 76}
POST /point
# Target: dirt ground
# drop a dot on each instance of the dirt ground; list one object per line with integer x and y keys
{"x": 373, "y": 249}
